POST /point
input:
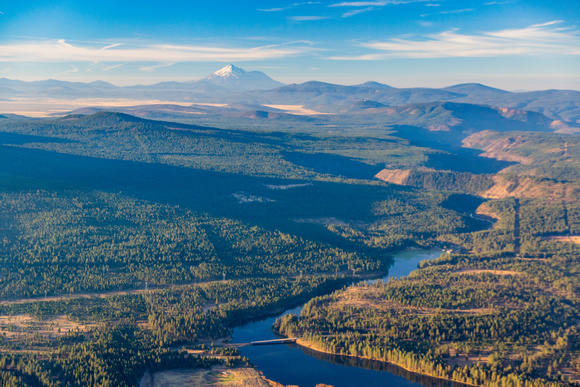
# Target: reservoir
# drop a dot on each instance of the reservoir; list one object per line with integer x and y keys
{"x": 291, "y": 364}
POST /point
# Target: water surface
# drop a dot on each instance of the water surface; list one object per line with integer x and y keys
{"x": 295, "y": 365}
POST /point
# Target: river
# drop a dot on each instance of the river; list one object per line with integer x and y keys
{"x": 294, "y": 365}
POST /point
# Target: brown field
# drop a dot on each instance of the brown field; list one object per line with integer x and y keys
{"x": 15, "y": 326}
{"x": 462, "y": 360}
{"x": 216, "y": 376}
{"x": 565, "y": 238}
{"x": 52, "y": 107}
{"x": 394, "y": 176}
{"x": 362, "y": 297}
{"x": 296, "y": 109}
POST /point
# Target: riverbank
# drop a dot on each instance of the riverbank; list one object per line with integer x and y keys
{"x": 406, "y": 262}
{"x": 313, "y": 347}
{"x": 445, "y": 321}
{"x": 297, "y": 365}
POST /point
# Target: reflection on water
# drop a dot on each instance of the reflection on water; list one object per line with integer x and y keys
{"x": 375, "y": 365}
{"x": 296, "y": 365}
{"x": 407, "y": 261}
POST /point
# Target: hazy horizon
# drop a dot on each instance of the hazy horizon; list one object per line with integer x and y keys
{"x": 125, "y": 84}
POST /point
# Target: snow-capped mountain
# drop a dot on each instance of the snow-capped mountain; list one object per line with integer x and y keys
{"x": 230, "y": 71}
{"x": 236, "y": 78}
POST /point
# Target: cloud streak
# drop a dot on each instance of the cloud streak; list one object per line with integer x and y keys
{"x": 274, "y": 9}
{"x": 357, "y": 11}
{"x": 150, "y": 69}
{"x": 278, "y": 9}
{"x": 109, "y": 68}
{"x": 457, "y": 11}
{"x": 367, "y": 6}
{"x": 307, "y": 18}
{"x": 72, "y": 70}
{"x": 538, "y": 39}
{"x": 374, "y": 3}
{"x": 59, "y": 51}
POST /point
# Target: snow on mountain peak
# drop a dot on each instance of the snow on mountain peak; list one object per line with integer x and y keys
{"x": 229, "y": 71}
{"x": 236, "y": 78}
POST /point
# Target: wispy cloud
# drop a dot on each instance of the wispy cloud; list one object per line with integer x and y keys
{"x": 58, "y": 51}
{"x": 150, "y": 69}
{"x": 367, "y": 6}
{"x": 294, "y": 42}
{"x": 359, "y": 4}
{"x": 539, "y": 39}
{"x": 278, "y": 9}
{"x": 274, "y": 9}
{"x": 357, "y": 11}
{"x": 357, "y": 7}
{"x": 307, "y": 18}
{"x": 449, "y": 12}
{"x": 457, "y": 11}
{"x": 73, "y": 69}
{"x": 111, "y": 46}
{"x": 374, "y": 3}
{"x": 109, "y": 68}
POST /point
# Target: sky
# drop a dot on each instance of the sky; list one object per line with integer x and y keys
{"x": 509, "y": 44}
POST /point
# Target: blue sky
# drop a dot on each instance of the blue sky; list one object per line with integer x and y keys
{"x": 511, "y": 44}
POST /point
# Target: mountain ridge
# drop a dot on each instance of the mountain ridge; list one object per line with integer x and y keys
{"x": 234, "y": 85}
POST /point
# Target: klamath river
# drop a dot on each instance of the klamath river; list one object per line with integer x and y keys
{"x": 294, "y": 365}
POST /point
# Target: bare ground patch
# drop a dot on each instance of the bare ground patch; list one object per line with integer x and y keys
{"x": 18, "y": 325}
{"x": 461, "y": 359}
{"x": 363, "y": 297}
{"x": 47, "y": 107}
{"x": 528, "y": 188}
{"x": 296, "y": 109}
{"x": 394, "y": 176}
{"x": 565, "y": 238}
{"x": 216, "y": 376}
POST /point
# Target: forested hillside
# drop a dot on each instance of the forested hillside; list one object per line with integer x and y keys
{"x": 504, "y": 312}
{"x": 123, "y": 239}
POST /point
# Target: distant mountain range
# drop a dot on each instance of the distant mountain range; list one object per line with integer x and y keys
{"x": 233, "y": 85}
